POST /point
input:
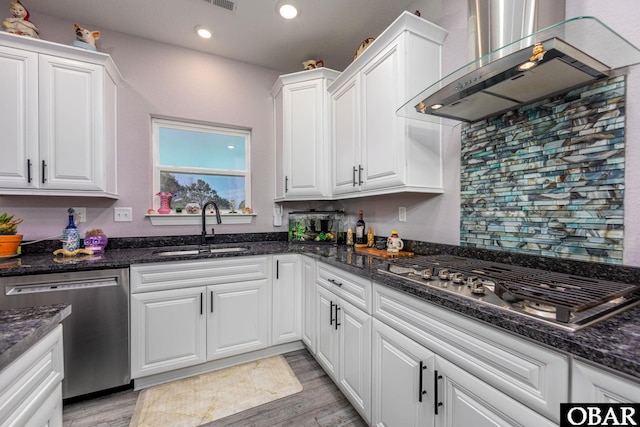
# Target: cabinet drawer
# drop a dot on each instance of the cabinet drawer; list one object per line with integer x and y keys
{"x": 528, "y": 372}
{"x": 26, "y": 383}
{"x": 184, "y": 274}
{"x": 594, "y": 384}
{"x": 352, "y": 288}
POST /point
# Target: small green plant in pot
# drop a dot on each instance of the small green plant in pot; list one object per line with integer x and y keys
{"x": 9, "y": 237}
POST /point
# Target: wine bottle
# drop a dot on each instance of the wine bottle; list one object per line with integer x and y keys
{"x": 361, "y": 237}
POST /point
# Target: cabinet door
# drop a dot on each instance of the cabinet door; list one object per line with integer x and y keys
{"x": 591, "y": 384}
{"x": 326, "y": 336}
{"x": 238, "y": 318}
{"x": 464, "y": 400}
{"x": 346, "y": 139}
{"x": 304, "y": 135}
{"x": 383, "y": 145}
{"x": 309, "y": 303}
{"x": 354, "y": 349}
{"x": 19, "y": 118}
{"x": 168, "y": 330}
{"x": 49, "y": 413}
{"x": 287, "y": 299}
{"x": 402, "y": 380}
{"x": 71, "y": 124}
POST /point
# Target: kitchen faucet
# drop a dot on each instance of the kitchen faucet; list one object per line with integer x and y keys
{"x": 203, "y": 239}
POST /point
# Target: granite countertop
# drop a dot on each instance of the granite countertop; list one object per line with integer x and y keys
{"x": 613, "y": 342}
{"x": 21, "y": 328}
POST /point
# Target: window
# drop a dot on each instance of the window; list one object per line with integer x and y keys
{"x": 197, "y": 162}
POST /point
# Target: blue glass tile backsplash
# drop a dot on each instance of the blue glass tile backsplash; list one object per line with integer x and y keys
{"x": 548, "y": 178}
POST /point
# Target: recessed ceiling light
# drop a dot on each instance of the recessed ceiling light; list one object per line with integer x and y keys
{"x": 288, "y": 9}
{"x": 203, "y": 32}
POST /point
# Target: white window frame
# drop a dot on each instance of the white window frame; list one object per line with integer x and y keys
{"x": 157, "y": 122}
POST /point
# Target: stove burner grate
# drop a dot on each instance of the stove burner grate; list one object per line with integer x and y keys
{"x": 544, "y": 293}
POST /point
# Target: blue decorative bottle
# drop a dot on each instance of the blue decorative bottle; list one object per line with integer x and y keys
{"x": 71, "y": 235}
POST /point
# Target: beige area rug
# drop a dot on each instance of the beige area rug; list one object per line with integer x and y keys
{"x": 204, "y": 398}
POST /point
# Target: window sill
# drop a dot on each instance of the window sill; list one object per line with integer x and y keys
{"x": 196, "y": 219}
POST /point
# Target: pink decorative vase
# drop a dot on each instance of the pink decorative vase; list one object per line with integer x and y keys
{"x": 165, "y": 197}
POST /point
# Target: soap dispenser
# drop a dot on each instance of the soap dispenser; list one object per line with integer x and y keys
{"x": 71, "y": 235}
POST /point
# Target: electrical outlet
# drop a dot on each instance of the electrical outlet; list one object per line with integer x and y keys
{"x": 402, "y": 214}
{"x": 80, "y": 214}
{"x": 122, "y": 215}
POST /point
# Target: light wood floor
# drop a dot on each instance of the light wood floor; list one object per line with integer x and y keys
{"x": 319, "y": 404}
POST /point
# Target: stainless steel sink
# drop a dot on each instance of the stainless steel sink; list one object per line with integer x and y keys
{"x": 180, "y": 252}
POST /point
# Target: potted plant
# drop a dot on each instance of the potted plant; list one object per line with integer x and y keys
{"x": 9, "y": 237}
{"x": 95, "y": 240}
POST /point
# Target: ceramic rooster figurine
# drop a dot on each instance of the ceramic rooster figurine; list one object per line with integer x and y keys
{"x": 19, "y": 22}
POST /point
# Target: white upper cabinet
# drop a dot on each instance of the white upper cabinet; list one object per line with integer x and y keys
{"x": 374, "y": 150}
{"x": 302, "y": 134}
{"x": 59, "y": 119}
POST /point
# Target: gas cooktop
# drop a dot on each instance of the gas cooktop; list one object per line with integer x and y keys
{"x": 562, "y": 300}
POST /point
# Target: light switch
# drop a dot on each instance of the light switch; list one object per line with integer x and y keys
{"x": 402, "y": 214}
{"x": 122, "y": 215}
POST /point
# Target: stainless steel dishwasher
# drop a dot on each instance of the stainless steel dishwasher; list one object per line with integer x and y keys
{"x": 95, "y": 335}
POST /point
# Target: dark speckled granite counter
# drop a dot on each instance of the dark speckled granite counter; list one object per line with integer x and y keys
{"x": 614, "y": 342}
{"x": 21, "y": 328}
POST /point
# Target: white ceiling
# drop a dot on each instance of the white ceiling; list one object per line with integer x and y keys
{"x": 325, "y": 29}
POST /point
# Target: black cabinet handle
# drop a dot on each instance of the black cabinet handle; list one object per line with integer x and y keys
{"x": 421, "y": 390}
{"x": 286, "y": 184}
{"x": 44, "y": 168}
{"x": 337, "y": 324}
{"x": 436, "y": 404}
{"x": 354, "y": 176}
{"x": 277, "y": 269}
{"x": 360, "y": 169}
{"x": 334, "y": 282}
{"x": 211, "y": 301}
{"x": 28, "y": 170}
{"x": 201, "y": 299}
{"x": 331, "y": 313}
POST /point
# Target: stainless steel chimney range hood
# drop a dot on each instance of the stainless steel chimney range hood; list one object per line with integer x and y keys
{"x": 574, "y": 53}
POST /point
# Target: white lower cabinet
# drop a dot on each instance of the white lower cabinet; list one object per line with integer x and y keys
{"x": 465, "y": 400}
{"x": 31, "y": 386}
{"x": 592, "y": 384}
{"x": 412, "y": 386}
{"x": 309, "y": 303}
{"x": 343, "y": 347}
{"x": 176, "y": 324}
{"x": 237, "y": 316}
{"x": 327, "y": 337}
{"x": 168, "y": 330}
{"x": 403, "y": 380}
{"x": 287, "y": 299}
{"x": 483, "y": 374}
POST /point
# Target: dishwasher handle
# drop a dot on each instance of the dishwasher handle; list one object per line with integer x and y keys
{"x": 59, "y": 286}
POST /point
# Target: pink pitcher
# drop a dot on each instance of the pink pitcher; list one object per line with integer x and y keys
{"x": 165, "y": 197}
